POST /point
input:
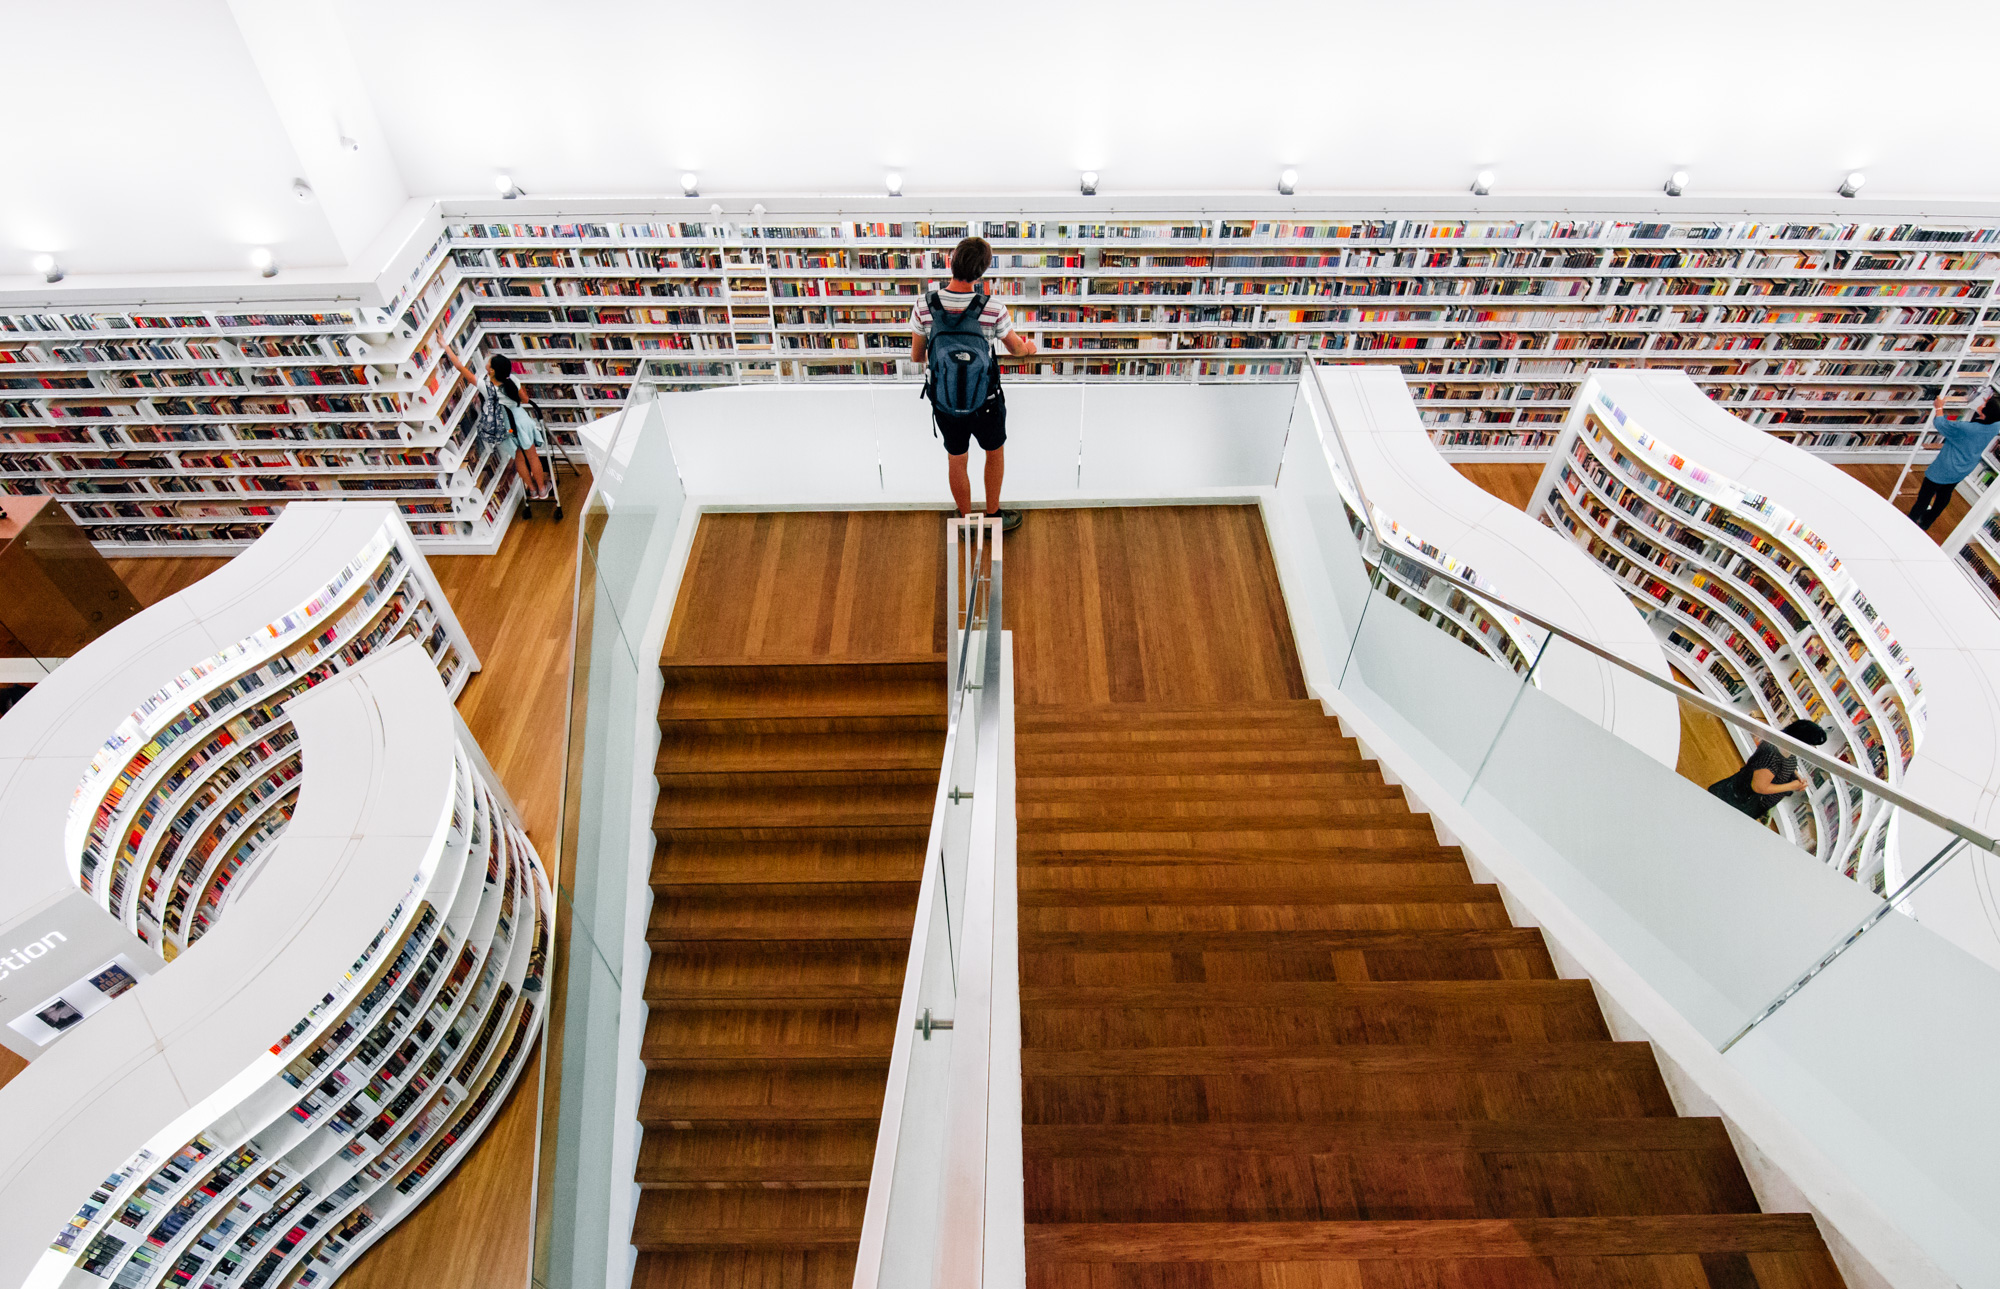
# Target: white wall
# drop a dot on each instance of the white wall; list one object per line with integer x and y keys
{"x": 162, "y": 135}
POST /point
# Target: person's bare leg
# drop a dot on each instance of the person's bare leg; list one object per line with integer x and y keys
{"x": 996, "y": 465}
{"x": 535, "y": 472}
{"x": 521, "y": 473}
{"x": 961, "y": 483}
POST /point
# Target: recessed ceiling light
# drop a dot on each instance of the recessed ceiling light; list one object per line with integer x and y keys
{"x": 348, "y": 143}
{"x": 302, "y": 190}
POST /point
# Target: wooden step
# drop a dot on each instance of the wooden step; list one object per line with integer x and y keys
{"x": 675, "y": 1033}
{"x": 1259, "y": 896}
{"x": 681, "y": 970}
{"x": 826, "y": 1154}
{"x": 708, "y": 997}
{"x": 1346, "y": 854}
{"x": 763, "y": 1094}
{"x": 851, "y": 1056}
{"x": 745, "y": 803}
{"x": 720, "y": 784}
{"x": 864, "y": 914}
{"x": 1387, "y": 831}
{"x": 1420, "y": 1243}
{"x": 834, "y": 752}
{"x": 1343, "y": 1172}
{"x": 748, "y": 1218}
{"x": 1252, "y": 756}
{"x": 817, "y": 1268}
{"x": 905, "y": 835}
{"x": 1288, "y": 1014}
{"x": 1191, "y": 873}
{"x": 712, "y": 727}
{"x": 1192, "y": 785}
{"x": 801, "y": 671}
{"x": 718, "y": 856}
{"x": 1175, "y": 797}
{"x": 1218, "y": 1084}
{"x": 1148, "y": 957}
{"x": 1034, "y": 718}
{"x": 754, "y": 701}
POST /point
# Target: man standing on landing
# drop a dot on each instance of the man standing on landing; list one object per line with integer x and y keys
{"x": 956, "y": 329}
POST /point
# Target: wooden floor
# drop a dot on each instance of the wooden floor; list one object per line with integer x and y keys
{"x": 1273, "y": 1033}
{"x": 801, "y": 730}
{"x": 474, "y": 1232}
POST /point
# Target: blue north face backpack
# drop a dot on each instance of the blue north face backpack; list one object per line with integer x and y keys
{"x": 962, "y": 378}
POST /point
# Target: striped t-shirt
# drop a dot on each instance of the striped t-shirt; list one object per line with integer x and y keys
{"x": 994, "y": 319}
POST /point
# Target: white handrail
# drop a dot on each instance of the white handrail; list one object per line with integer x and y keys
{"x": 961, "y": 1233}
{"x": 958, "y": 1233}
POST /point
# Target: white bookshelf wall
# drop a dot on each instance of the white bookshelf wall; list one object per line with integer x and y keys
{"x": 1753, "y": 606}
{"x": 186, "y": 428}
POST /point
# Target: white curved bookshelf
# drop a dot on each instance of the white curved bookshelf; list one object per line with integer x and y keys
{"x": 199, "y": 776}
{"x": 1452, "y": 531}
{"x": 1975, "y": 543}
{"x": 307, "y": 1072}
{"x": 1781, "y": 585}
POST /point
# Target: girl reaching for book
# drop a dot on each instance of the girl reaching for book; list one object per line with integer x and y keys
{"x": 507, "y": 425}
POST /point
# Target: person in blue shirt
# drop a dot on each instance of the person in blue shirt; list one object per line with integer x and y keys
{"x": 1963, "y": 442}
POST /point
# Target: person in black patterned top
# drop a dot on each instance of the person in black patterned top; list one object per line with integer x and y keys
{"x": 1768, "y": 774}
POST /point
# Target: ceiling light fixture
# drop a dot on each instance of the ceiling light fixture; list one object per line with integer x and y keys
{"x": 260, "y": 259}
{"x": 758, "y": 210}
{"x": 1086, "y": 183}
{"x": 1677, "y": 183}
{"x": 505, "y": 185}
{"x": 46, "y": 266}
{"x": 690, "y": 187}
{"x": 1288, "y": 182}
{"x": 895, "y": 184}
{"x": 348, "y": 143}
{"x": 1851, "y": 185}
{"x": 1482, "y": 183}
{"x": 302, "y": 190}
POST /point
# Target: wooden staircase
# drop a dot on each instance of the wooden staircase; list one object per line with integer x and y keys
{"x": 795, "y": 800}
{"x": 1275, "y": 1037}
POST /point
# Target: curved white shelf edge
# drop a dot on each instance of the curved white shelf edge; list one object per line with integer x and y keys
{"x": 385, "y": 839}
{"x": 1948, "y": 632}
{"x": 1406, "y": 478}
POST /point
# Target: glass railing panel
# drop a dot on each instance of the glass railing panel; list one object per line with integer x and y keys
{"x": 589, "y": 1132}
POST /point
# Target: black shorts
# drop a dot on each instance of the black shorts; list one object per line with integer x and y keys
{"x": 988, "y": 425}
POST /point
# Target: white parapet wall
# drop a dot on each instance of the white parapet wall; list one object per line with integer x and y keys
{"x": 1446, "y": 530}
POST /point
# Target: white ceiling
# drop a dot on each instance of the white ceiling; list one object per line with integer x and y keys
{"x": 170, "y": 130}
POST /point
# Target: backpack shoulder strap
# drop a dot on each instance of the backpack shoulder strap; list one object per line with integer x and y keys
{"x": 966, "y": 319}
